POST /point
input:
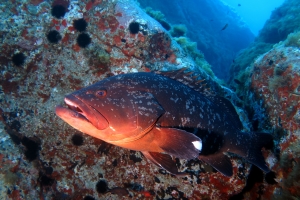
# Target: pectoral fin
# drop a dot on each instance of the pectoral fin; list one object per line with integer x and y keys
{"x": 178, "y": 143}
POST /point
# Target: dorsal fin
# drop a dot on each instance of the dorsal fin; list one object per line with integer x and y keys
{"x": 188, "y": 78}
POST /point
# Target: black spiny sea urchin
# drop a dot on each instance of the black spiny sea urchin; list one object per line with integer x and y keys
{"x": 58, "y": 11}
{"x": 18, "y": 59}
{"x": 80, "y": 24}
{"x": 53, "y": 36}
{"x": 134, "y": 27}
{"x": 83, "y": 40}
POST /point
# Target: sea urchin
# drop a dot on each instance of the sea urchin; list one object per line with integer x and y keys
{"x": 83, "y": 40}
{"x": 134, "y": 27}
{"x": 18, "y": 59}
{"x": 80, "y": 24}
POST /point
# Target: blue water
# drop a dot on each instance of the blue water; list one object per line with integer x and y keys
{"x": 205, "y": 20}
{"x": 255, "y": 12}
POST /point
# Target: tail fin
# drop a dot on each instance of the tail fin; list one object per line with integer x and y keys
{"x": 249, "y": 145}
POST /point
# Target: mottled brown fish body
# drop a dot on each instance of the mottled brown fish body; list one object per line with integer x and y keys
{"x": 150, "y": 112}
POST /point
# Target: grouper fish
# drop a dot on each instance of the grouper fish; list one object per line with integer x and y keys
{"x": 163, "y": 115}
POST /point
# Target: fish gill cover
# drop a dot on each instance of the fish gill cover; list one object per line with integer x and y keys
{"x": 43, "y": 158}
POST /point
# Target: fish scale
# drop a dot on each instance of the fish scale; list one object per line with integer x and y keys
{"x": 150, "y": 112}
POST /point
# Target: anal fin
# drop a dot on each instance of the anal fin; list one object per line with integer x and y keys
{"x": 220, "y": 162}
{"x": 164, "y": 161}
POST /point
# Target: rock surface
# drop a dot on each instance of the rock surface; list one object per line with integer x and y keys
{"x": 266, "y": 77}
{"x": 41, "y": 157}
{"x": 275, "y": 81}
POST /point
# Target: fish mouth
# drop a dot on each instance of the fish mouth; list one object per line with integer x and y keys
{"x": 75, "y": 107}
{"x": 78, "y": 109}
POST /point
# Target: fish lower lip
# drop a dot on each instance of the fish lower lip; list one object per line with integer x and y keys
{"x": 75, "y": 108}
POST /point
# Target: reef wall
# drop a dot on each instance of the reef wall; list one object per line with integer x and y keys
{"x": 265, "y": 77}
{"x": 44, "y": 55}
{"x": 271, "y": 94}
{"x": 46, "y": 52}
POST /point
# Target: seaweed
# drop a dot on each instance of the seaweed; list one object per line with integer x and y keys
{"x": 159, "y": 16}
{"x": 178, "y": 30}
{"x": 293, "y": 40}
{"x": 156, "y": 14}
{"x": 191, "y": 48}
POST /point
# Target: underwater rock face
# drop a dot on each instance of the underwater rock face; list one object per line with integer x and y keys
{"x": 41, "y": 157}
{"x": 275, "y": 80}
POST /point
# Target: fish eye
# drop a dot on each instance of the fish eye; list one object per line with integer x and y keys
{"x": 101, "y": 93}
